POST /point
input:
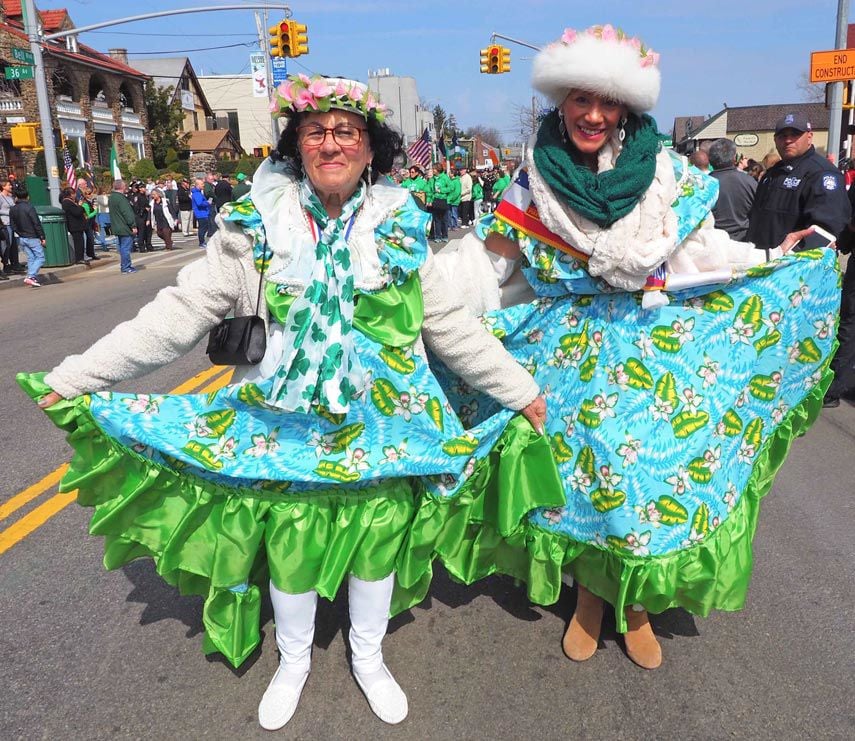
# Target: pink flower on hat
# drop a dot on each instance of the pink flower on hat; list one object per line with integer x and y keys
{"x": 569, "y": 36}
{"x": 273, "y": 107}
{"x": 304, "y": 100}
{"x": 651, "y": 59}
{"x": 608, "y": 33}
{"x": 320, "y": 89}
{"x": 286, "y": 89}
{"x": 340, "y": 89}
{"x": 305, "y": 79}
{"x": 370, "y": 102}
{"x": 355, "y": 93}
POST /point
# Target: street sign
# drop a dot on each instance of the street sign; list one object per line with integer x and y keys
{"x": 22, "y": 55}
{"x": 837, "y": 65}
{"x": 280, "y": 70}
{"x": 20, "y": 73}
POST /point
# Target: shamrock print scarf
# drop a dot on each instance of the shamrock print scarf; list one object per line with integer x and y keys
{"x": 319, "y": 366}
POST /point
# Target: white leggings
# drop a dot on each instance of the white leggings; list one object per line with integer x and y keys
{"x": 294, "y": 615}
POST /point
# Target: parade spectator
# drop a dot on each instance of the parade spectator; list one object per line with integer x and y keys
{"x": 477, "y": 194}
{"x": 91, "y": 212}
{"x": 27, "y": 225}
{"x": 466, "y": 213}
{"x": 185, "y": 206}
{"x": 439, "y": 191}
{"x": 102, "y": 203}
{"x": 9, "y": 245}
{"x": 139, "y": 203}
{"x": 771, "y": 159}
{"x": 242, "y": 188}
{"x": 123, "y": 224}
{"x": 417, "y": 185}
{"x": 201, "y": 210}
{"x": 76, "y": 223}
{"x": 850, "y": 173}
{"x": 803, "y": 189}
{"x": 736, "y": 190}
{"x": 501, "y": 185}
{"x": 454, "y": 201}
{"x": 222, "y": 193}
{"x": 161, "y": 217}
{"x": 700, "y": 159}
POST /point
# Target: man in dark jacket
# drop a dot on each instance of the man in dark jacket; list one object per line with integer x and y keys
{"x": 31, "y": 236}
{"x": 123, "y": 224}
{"x": 735, "y": 190}
{"x": 139, "y": 203}
{"x": 803, "y": 189}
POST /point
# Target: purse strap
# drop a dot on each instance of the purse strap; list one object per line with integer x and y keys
{"x": 264, "y": 261}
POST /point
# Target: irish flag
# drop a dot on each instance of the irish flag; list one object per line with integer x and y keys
{"x": 114, "y": 163}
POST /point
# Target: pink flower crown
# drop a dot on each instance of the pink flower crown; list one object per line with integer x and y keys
{"x": 647, "y": 57}
{"x": 300, "y": 93}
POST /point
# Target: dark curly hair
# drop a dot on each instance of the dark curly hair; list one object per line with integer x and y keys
{"x": 386, "y": 144}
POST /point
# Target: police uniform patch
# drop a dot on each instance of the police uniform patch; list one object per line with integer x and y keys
{"x": 829, "y": 182}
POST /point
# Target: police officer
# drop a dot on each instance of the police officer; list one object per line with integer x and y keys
{"x": 142, "y": 216}
{"x": 843, "y": 364}
{"x": 803, "y": 189}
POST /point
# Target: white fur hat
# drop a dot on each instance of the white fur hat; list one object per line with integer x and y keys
{"x": 600, "y": 60}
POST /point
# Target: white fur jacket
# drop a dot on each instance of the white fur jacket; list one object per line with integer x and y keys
{"x": 226, "y": 280}
{"x": 624, "y": 254}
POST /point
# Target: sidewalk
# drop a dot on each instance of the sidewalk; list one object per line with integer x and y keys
{"x": 49, "y": 276}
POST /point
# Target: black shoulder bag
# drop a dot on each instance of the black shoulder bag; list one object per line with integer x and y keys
{"x": 239, "y": 340}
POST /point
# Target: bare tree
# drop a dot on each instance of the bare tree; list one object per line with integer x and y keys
{"x": 489, "y": 134}
{"x": 529, "y": 116}
{"x": 812, "y": 92}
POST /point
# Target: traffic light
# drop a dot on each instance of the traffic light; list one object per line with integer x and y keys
{"x": 280, "y": 39}
{"x": 494, "y": 62}
{"x": 485, "y": 61}
{"x": 24, "y": 137}
{"x": 506, "y": 59}
{"x": 299, "y": 39}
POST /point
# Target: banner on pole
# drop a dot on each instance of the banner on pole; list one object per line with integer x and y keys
{"x": 258, "y": 72}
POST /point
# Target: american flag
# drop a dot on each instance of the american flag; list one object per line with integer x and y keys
{"x": 70, "y": 177}
{"x": 419, "y": 150}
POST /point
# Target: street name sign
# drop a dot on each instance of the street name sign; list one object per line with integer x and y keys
{"x": 20, "y": 73}
{"x": 280, "y": 69}
{"x": 837, "y": 65}
{"x": 22, "y": 55}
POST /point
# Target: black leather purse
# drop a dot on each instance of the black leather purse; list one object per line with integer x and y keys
{"x": 239, "y": 340}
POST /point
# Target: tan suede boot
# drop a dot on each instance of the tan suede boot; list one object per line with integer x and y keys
{"x": 583, "y": 633}
{"x": 641, "y": 645}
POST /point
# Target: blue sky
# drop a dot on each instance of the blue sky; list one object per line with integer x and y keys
{"x": 739, "y": 52}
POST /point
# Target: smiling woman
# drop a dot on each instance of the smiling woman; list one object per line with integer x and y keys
{"x": 310, "y": 467}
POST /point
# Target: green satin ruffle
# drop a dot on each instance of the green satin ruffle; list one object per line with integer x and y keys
{"x": 224, "y": 543}
{"x": 473, "y": 543}
{"x": 392, "y": 316}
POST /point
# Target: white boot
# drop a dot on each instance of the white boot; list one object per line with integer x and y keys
{"x": 294, "y": 616}
{"x": 369, "y": 617}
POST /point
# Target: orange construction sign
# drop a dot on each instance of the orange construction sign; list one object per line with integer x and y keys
{"x": 837, "y": 65}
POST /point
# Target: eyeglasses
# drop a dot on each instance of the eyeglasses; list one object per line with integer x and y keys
{"x": 343, "y": 135}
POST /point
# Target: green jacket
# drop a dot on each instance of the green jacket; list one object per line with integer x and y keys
{"x": 477, "y": 191}
{"x": 500, "y": 186}
{"x": 439, "y": 186}
{"x": 240, "y": 189}
{"x": 415, "y": 185}
{"x": 122, "y": 221}
{"x": 454, "y": 195}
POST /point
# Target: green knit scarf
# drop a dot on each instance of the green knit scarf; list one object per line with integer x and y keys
{"x": 601, "y": 197}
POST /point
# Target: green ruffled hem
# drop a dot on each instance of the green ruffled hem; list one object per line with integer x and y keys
{"x": 224, "y": 543}
{"x": 713, "y": 575}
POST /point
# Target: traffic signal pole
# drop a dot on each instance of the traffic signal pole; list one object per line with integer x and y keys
{"x": 31, "y": 27}
{"x": 495, "y": 36}
{"x": 835, "y": 114}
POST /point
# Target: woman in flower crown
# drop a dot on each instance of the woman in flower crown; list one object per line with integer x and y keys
{"x": 305, "y": 467}
{"x": 677, "y": 369}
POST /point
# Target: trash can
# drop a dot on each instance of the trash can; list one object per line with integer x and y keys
{"x": 38, "y": 189}
{"x": 57, "y": 250}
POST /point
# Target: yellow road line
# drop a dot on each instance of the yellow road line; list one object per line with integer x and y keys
{"x": 31, "y": 492}
{"x": 35, "y": 519}
{"x": 41, "y": 514}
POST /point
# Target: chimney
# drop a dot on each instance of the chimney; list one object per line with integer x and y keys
{"x": 120, "y": 55}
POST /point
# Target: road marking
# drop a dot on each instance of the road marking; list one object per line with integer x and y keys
{"x": 41, "y": 514}
{"x": 31, "y": 492}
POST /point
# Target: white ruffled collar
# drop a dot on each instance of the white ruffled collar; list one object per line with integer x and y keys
{"x": 628, "y": 251}
{"x": 289, "y": 233}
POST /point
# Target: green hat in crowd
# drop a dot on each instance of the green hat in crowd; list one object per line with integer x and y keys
{"x": 240, "y": 176}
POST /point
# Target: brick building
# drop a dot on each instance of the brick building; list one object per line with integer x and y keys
{"x": 93, "y": 98}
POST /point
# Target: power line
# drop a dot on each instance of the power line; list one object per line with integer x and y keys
{"x": 187, "y": 51}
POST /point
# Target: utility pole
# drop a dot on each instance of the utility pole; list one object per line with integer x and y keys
{"x": 264, "y": 41}
{"x": 31, "y": 27}
{"x": 835, "y": 114}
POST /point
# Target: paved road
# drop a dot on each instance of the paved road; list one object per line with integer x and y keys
{"x": 88, "y": 654}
